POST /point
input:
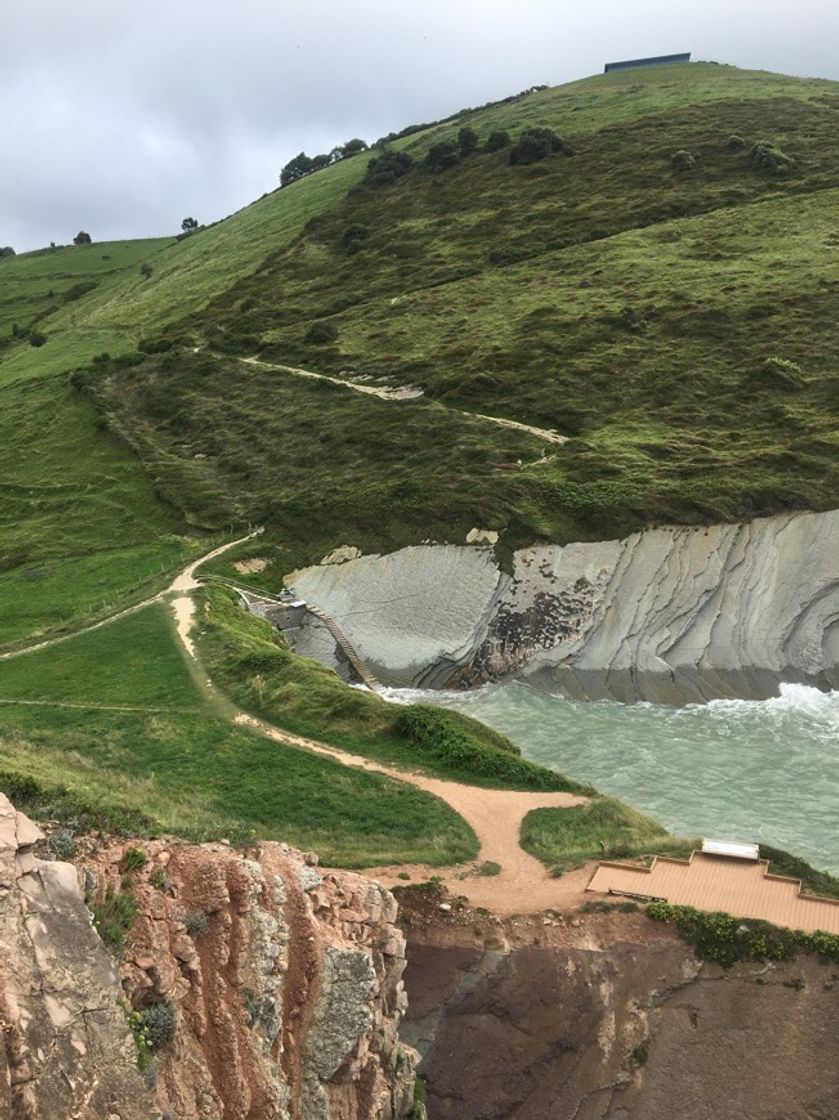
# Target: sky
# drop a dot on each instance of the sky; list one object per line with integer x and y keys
{"x": 121, "y": 118}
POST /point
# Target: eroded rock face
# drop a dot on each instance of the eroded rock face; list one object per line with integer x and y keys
{"x": 284, "y": 981}
{"x": 621, "y": 1031}
{"x": 669, "y": 615}
{"x": 65, "y": 1048}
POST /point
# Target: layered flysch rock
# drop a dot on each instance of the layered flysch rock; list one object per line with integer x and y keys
{"x": 283, "y": 982}
{"x": 65, "y": 1047}
{"x": 670, "y": 614}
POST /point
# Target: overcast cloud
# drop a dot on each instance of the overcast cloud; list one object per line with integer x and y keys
{"x": 122, "y": 118}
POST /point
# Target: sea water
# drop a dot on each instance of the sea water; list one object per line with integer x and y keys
{"x": 745, "y": 770}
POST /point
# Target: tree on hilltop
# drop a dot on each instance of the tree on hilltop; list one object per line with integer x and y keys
{"x": 296, "y": 169}
{"x": 6, "y": 251}
{"x": 82, "y": 238}
{"x": 189, "y": 225}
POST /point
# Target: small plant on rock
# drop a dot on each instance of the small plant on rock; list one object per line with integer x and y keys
{"x": 196, "y": 922}
{"x": 134, "y": 859}
{"x": 63, "y": 843}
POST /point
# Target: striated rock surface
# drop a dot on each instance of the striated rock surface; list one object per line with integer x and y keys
{"x": 606, "y": 1025}
{"x": 283, "y": 982}
{"x": 65, "y": 1049}
{"x": 668, "y": 615}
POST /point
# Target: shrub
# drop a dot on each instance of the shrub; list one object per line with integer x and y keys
{"x": 6, "y": 251}
{"x": 467, "y": 140}
{"x": 631, "y": 319}
{"x": 114, "y": 916}
{"x": 158, "y": 1024}
{"x": 321, "y": 333}
{"x": 497, "y": 140}
{"x": 780, "y": 372}
{"x": 768, "y": 159}
{"x": 442, "y": 156}
{"x": 63, "y": 843}
{"x": 447, "y": 740}
{"x": 535, "y": 144}
{"x": 196, "y": 922}
{"x": 682, "y": 160}
{"x": 79, "y": 290}
{"x": 735, "y": 143}
{"x": 354, "y": 236}
{"x": 146, "y": 270}
{"x": 82, "y": 238}
{"x": 385, "y": 169}
{"x": 36, "y": 338}
{"x": 134, "y": 859}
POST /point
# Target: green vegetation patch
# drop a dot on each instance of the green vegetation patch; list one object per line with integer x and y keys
{"x": 604, "y": 828}
{"x": 198, "y": 777}
{"x": 247, "y": 658}
{"x": 133, "y": 661}
{"x": 81, "y": 527}
{"x": 724, "y": 939}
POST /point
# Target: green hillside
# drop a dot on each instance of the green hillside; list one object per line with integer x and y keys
{"x": 671, "y": 317}
{"x": 652, "y": 296}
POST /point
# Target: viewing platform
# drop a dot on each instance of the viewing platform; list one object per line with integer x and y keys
{"x": 742, "y": 887}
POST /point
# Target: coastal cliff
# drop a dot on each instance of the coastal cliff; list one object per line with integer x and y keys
{"x": 254, "y": 986}
{"x": 603, "y": 1018}
{"x": 669, "y": 615}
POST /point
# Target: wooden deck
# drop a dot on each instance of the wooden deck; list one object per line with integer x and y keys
{"x": 739, "y": 887}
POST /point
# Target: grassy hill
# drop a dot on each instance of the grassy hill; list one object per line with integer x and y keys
{"x": 672, "y": 317}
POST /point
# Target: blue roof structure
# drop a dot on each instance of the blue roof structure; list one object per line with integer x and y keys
{"x": 658, "y": 60}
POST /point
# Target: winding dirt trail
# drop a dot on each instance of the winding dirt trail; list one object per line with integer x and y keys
{"x": 523, "y": 884}
{"x": 183, "y": 583}
{"x": 410, "y": 392}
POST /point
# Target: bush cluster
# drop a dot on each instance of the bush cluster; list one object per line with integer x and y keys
{"x": 724, "y": 939}
{"x": 303, "y": 165}
{"x": 535, "y": 144}
{"x": 386, "y": 168}
{"x": 442, "y": 736}
{"x": 768, "y": 159}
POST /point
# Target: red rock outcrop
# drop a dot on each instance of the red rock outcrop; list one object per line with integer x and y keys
{"x": 65, "y": 1049}
{"x": 283, "y": 983}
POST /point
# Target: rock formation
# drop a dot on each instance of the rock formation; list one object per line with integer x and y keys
{"x": 611, "y": 1022}
{"x": 668, "y": 615}
{"x": 267, "y": 989}
{"x": 65, "y": 1049}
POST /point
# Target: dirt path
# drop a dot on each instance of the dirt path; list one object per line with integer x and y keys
{"x": 523, "y": 884}
{"x": 183, "y": 582}
{"x": 410, "y": 392}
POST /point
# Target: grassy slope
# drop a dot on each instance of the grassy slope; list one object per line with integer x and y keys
{"x": 608, "y": 829}
{"x": 40, "y": 285}
{"x": 82, "y": 527}
{"x": 187, "y": 769}
{"x": 186, "y": 275}
{"x": 503, "y": 289}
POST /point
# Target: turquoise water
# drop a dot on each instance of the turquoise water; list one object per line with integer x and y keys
{"x": 732, "y": 769}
